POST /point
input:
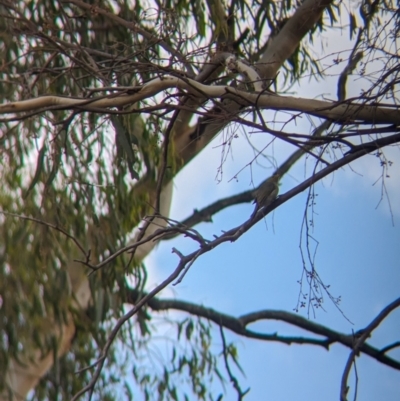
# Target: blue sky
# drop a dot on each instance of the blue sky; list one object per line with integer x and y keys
{"x": 358, "y": 256}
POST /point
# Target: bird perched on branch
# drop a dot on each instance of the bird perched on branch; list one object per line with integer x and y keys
{"x": 266, "y": 193}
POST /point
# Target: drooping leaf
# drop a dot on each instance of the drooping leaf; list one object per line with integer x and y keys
{"x": 38, "y": 171}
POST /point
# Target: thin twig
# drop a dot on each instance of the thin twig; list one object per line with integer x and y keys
{"x": 45, "y": 223}
{"x": 360, "y": 341}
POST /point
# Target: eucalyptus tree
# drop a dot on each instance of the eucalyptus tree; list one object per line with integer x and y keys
{"x": 102, "y": 105}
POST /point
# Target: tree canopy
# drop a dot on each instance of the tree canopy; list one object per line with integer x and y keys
{"x": 102, "y": 105}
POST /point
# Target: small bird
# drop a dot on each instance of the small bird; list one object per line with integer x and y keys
{"x": 266, "y": 193}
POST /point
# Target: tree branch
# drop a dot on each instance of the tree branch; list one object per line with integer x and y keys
{"x": 239, "y": 325}
{"x": 340, "y": 112}
{"x": 358, "y": 344}
{"x": 289, "y": 37}
{"x": 135, "y": 28}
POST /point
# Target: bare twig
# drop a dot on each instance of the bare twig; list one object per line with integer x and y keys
{"x": 359, "y": 342}
{"x": 241, "y": 394}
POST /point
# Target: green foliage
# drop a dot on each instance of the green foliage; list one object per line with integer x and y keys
{"x": 185, "y": 367}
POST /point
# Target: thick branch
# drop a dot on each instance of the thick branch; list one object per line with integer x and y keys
{"x": 282, "y": 47}
{"x": 286, "y": 42}
{"x": 239, "y": 326}
{"x": 339, "y": 112}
